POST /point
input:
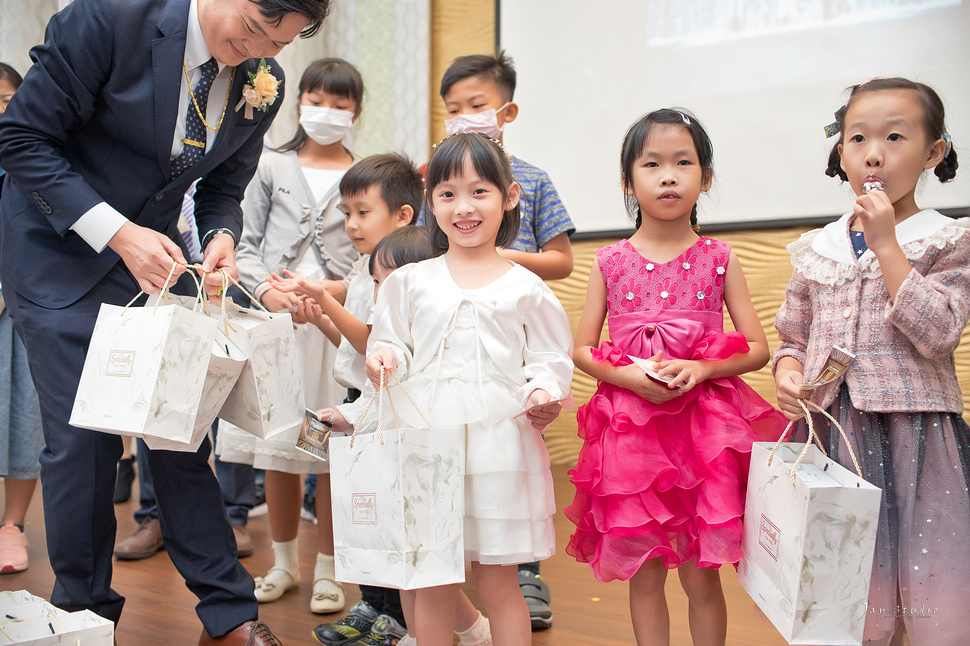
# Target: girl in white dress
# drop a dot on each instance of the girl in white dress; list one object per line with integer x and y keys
{"x": 478, "y": 340}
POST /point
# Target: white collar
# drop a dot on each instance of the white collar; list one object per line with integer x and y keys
{"x": 833, "y": 240}
{"x": 196, "y": 51}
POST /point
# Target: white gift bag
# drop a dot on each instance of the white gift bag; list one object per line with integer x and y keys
{"x": 267, "y": 399}
{"x": 226, "y": 363}
{"x": 145, "y": 372}
{"x": 808, "y": 541}
{"x": 398, "y": 507}
{"x": 26, "y": 620}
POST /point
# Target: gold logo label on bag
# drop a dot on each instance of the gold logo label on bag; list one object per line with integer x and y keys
{"x": 769, "y": 537}
{"x": 120, "y": 363}
{"x": 364, "y": 506}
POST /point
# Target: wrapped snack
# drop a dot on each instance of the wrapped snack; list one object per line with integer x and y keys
{"x": 871, "y": 184}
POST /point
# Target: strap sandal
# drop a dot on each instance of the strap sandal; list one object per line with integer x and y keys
{"x": 537, "y": 597}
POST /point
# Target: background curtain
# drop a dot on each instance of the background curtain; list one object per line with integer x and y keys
{"x": 388, "y": 41}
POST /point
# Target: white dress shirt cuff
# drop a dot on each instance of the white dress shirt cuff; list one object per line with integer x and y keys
{"x": 98, "y": 225}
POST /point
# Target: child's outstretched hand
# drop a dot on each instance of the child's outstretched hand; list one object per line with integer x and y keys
{"x": 276, "y": 301}
{"x": 299, "y": 311}
{"x": 291, "y": 283}
{"x": 788, "y": 392}
{"x": 382, "y": 358}
{"x": 314, "y": 313}
{"x": 294, "y": 283}
{"x": 539, "y": 411}
{"x": 338, "y": 422}
{"x": 634, "y": 379}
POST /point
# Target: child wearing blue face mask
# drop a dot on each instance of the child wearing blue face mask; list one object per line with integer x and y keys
{"x": 477, "y": 91}
{"x": 291, "y": 220}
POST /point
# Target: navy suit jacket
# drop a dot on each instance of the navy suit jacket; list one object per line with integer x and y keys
{"x": 94, "y": 121}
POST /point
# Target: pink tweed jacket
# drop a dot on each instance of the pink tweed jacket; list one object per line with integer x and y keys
{"x": 904, "y": 349}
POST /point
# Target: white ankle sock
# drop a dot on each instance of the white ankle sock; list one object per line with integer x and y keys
{"x": 324, "y": 569}
{"x": 476, "y": 633}
{"x": 287, "y": 556}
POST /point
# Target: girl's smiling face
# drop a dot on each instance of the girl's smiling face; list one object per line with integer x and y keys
{"x": 884, "y": 138}
{"x": 470, "y": 209}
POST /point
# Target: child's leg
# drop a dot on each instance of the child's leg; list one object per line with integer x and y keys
{"x": 707, "y": 611}
{"x": 324, "y": 515}
{"x": 434, "y": 615}
{"x": 283, "y": 500}
{"x": 17, "y": 495}
{"x": 466, "y": 614}
{"x": 648, "y": 604}
{"x": 407, "y": 607}
{"x": 327, "y": 594}
{"x": 498, "y": 587}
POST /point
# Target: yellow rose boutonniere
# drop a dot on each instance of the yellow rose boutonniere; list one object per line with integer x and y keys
{"x": 261, "y": 90}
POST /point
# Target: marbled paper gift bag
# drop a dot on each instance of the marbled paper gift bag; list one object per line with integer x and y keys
{"x": 268, "y": 397}
{"x": 808, "y": 541}
{"x": 398, "y": 506}
{"x": 145, "y": 371}
{"x": 26, "y": 620}
{"x": 226, "y": 362}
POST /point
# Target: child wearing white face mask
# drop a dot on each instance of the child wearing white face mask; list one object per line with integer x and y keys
{"x": 291, "y": 221}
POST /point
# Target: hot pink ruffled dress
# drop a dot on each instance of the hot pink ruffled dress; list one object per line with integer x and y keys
{"x": 665, "y": 480}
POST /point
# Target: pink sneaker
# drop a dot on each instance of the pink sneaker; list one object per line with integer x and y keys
{"x": 13, "y": 549}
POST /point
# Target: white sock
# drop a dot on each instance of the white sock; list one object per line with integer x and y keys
{"x": 476, "y": 633}
{"x": 324, "y": 569}
{"x": 287, "y": 556}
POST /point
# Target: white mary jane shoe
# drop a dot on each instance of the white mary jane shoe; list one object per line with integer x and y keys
{"x": 275, "y": 584}
{"x": 328, "y": 596}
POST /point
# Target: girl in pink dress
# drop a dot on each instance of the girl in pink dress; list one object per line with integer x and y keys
{"x": 660, "y": 481}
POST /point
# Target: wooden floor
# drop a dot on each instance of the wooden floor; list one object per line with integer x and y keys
{"x": 159, "y": 609}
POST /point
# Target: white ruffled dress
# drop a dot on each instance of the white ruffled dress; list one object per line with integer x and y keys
{"x": 473, "y": 357}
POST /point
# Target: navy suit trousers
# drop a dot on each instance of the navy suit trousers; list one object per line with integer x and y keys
{"x": 78, "y": 470}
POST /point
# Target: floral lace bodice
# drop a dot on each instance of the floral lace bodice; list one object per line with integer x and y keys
{"x": 694, "y": 280}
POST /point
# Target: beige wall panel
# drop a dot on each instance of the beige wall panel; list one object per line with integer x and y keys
{"x": 458, "y": 28}
{"x": 767, "y": 268}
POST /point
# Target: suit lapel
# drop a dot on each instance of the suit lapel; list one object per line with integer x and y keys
{"x": 168, "y": 52}
{"x": 239, "y": 78}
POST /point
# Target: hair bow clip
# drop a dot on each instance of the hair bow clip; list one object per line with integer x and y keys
{"x": 835, "y": 127}
{"x": 684, "y": 118}
{"x": 949, "y": 142}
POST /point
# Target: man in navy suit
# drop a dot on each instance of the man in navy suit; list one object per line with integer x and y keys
{"x": 110, "y": 127}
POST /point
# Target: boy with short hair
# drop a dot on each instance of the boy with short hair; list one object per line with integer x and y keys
{"x": 378, "y": 195}
{"x": 478, "y": 91}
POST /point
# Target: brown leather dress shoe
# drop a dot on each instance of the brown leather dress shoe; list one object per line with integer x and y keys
{"x": 244, "y": 544}
{"x": 145, "y": 542}
{"x": 251, "y": 633}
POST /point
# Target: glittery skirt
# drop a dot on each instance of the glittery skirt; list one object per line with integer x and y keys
{"x": 921, "y": 567}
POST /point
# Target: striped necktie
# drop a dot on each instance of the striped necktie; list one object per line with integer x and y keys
{"x": 193, "y": 146}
